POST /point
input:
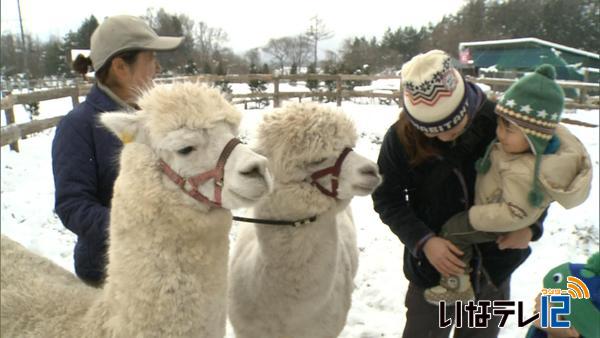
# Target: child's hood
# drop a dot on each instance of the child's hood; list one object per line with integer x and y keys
{"x": 567, "y": 174}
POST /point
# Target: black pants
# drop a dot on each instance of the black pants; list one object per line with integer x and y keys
{"x": 422, "y": 318}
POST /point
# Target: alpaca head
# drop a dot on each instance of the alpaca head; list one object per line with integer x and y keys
{"x": 188, "y": 126}
{"x": 303, "y": 139}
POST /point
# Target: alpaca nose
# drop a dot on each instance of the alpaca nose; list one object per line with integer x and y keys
{"x": 254, "y": 169}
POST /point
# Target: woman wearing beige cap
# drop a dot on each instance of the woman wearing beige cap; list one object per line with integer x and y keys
{"x": 84, "y": 155}
{"x": 428, "y": 164}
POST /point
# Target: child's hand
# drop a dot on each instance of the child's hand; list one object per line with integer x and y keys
{"x": 518, "y": 239}
{"x": 552, "y": 331}
{"x": 443, "y": 255}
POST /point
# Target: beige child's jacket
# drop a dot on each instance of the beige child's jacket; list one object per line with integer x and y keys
{"x": 501, "y": 194}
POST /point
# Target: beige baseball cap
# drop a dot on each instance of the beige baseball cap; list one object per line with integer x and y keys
{"x": 122, "y": 33}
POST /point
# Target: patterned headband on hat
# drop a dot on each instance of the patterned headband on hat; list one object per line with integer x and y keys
{"x": 451, "y": 121}
{"x": 435, "y": 97}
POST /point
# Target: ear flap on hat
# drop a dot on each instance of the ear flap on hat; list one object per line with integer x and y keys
{"x": 483, "y": 164}
{"x": 535, "y": 195}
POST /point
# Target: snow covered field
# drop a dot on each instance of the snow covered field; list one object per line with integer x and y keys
{"x": 570, "y": 235}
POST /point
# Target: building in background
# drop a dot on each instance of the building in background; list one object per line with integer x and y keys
{"x": 512, "y": 58}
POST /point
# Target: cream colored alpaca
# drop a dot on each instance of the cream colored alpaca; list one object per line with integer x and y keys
{"x": 167, "y": 266}
{"x": 297, "y": 281}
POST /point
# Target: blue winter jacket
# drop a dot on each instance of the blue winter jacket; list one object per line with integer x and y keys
{"x": 84, "y": 163}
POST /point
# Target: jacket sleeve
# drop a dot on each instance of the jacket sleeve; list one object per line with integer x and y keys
{"x": 390, "y": 198}
{"x": 514, "y": 212}
{"x": 76, "y": 181}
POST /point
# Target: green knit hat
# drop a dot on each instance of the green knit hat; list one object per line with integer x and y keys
{"x": 534, "y": 103}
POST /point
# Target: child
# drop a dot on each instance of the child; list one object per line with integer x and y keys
{"x": 530, "y": 145}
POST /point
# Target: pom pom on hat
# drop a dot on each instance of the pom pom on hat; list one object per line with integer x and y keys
{"x": 546, "y": 70}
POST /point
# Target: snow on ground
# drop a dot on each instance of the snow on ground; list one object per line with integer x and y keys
{"x": 378, "y": 302}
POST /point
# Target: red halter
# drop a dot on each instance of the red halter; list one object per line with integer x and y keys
{"x": 334, "y": 171}
{"x": 217, "y": 174}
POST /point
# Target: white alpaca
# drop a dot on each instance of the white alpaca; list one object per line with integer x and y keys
{"x": 297, "y": 282}
{"x": 168, "y": 252}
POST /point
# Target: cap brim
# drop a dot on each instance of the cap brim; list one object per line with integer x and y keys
{"x": 164, "y": 43}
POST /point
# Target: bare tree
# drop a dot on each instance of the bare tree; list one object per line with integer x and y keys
{"x": 208, "y": 40}
{"x": 280, "y": 49}
{"x": 168, "y": 24}
{"x": 300, "y": 50}
{"x": 317, "y": 32}
{"x": 253, "y": 56}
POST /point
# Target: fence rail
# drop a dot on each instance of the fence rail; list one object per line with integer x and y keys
{"x": 11, "y": 133}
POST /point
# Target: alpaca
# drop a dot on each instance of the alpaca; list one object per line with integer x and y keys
{"x": 168, "y": 241}
{"x": 297, "y": 281}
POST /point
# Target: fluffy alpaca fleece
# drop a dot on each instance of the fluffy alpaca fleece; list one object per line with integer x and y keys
{"x": 167, "y": 270}
{"x": 164, "y": 262}
{"x": 296, "y": 282}
{"x": 184, "y": 104}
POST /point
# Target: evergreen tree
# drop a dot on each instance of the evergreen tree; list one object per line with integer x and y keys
{"x": 265, "y": 69}
{"x": 312, "y": 85}
{"x": 8, "y": 55}
{"x": 190, "y": 67}
{"x": 206, "y": 68}
{"x": 256, "y": 86}
{"x": 54, "y": 62}
{"x": 83, "y": 35}
{"x": 293, "y": 71}
{"x": 224, "y": 85}
{"x": 330, "y": 84}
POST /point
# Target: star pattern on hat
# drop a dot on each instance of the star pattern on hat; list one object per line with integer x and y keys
{"x": 510, "y": 103}
{"x": 542, "y": 113}
{"x": 526, "y": 109}
{"x": 554, "y": 116}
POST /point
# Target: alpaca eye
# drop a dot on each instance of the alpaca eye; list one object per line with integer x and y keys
{"x": 317, "y": 162}
{"x": 186, "y": 150}
{"x": 557, "y": 277}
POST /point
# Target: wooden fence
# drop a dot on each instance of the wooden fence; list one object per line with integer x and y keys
{"x": 277, "y": 96}
{"x": 11, "y": 133}
{"x": 500, "y": 85}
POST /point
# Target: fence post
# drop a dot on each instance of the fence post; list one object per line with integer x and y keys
{"x": 400, "y": 96}
{"x": 338, "y": 90}
{"x": 75, "y": 96}
{"x": 276, "y": 92}
{"x": 10, "y": 119}
{"x": 583, "y": 91}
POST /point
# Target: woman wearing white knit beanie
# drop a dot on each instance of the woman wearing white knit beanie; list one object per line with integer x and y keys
{"x": 428, "y": 163}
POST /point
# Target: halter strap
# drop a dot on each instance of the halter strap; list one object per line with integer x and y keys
{"x": 276, "y": 222}
{"x": 217, "y": 173}
{"x": 334, "y": 171}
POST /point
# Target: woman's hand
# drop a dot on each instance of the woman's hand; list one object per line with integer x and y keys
{"x": 443, "y": 255}
{"x": 518, "y": 239}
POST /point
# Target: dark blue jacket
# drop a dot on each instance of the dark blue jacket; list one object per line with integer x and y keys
{"x": 416, "y": 201}
{"x": 84, "y": 163}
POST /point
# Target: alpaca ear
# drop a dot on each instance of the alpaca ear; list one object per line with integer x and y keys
{"x": 124, "y": 125}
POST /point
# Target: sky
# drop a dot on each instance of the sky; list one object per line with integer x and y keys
{"x": 249, "y": 24}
